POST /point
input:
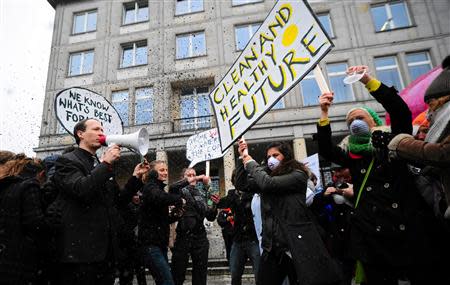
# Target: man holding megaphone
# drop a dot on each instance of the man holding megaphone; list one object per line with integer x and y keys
{"x": 87, "y": 243}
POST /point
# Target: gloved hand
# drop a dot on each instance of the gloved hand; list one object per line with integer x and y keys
{"x": 380, "y": 140}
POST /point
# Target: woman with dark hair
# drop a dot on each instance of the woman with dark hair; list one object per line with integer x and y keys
{"x": 291, "y": 243}
{"x": 22, "y": 220}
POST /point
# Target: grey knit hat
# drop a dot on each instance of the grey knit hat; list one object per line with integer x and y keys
{"x": 441, "y": 84}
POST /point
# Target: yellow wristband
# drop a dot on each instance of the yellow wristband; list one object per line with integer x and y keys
{"x": 373, "y": 85}
{"x": 324, "y": 122}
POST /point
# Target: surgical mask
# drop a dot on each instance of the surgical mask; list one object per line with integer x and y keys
{"x": 272, "y": 163}
{"x": 359, "y": 128}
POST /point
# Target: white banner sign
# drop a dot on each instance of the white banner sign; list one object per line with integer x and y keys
{"x": 312, "y": 162}
{"x": 203, "y": 147}
{"x": 75, "y": 104}
{"x": 285, "y": 48}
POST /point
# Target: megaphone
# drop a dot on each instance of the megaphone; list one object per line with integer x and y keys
{"x": 138, "y": 141}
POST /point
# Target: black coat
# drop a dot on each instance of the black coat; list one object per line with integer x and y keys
{"x": 154, "y": 219}
{"x": 384, "y": 226}
{"x": 287, "y": 223}
{"x": 88, "y": 199}
{"x": 22, "y": 226}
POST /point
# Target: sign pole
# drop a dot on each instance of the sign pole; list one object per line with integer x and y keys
{"x": 207, "y": 168}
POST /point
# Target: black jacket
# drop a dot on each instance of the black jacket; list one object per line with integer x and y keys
{"x": 22, "y": 227}
{"x": 241, "y": 206}
{"x": 195, "y": 209}
{"x": 88, "y": 198}
{"x": 385, "y": 224}
{"x": 154, "y": 217}
{"x": 287, "y": 223}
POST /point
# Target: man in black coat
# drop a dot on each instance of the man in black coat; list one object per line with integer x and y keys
{"x": 87, "y": 243}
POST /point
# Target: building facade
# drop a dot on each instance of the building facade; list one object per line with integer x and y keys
{"x": 156, "y": 62}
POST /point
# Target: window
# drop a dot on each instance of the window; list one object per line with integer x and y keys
{"x": 325, "y": 20}
{"x": 418, "y": 63}
{"x": 143, "y": 106}
{"x": 134, "y": 54}
{"x": 243, "y": 2}
{"x": 188, "y": 6}
{"x": 388, "y": 72}
{"x": 81, "y": 63}
{"x": 191, "y": 45}
{"x": 120, "y": 102}
{"x": 310, "y": 90}
{"x": 195, "y": 108}
{"x": 389, "y": 16}
{"x": 244, "y": 34}
{"x": 135, "y": 12}
{"x": 84, "y": 22}
{"x": 336, "y": 73}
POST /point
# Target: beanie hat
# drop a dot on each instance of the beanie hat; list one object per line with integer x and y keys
{"x": 369, "y": 111}
{"x": 441, "y": 84}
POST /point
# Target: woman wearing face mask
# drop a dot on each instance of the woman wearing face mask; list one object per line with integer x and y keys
{"x": 384, "y": 226}
{"x": 291, "y": 244}
{"x": 154, "y": 222}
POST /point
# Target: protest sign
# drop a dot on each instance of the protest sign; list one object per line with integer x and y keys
{"x": 204, "y": 146}
{"x": 75, "y": 104}
{"x": 285, "y": 48}
{"x": 312, "y": 162}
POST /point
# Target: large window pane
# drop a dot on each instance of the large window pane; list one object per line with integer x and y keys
{"x": 75, "y": 64}
{"x": 325, "y": 20}
{"x": 182, "y": 46}
{"x": 188, "y": 6}
{"x": 78, "y": 24}
{"x": 84, "y": 22}
{"x": 190, "y": 45}
{"x": 390, "y": 16}
{"x": 88, "y": 64}
{"x": 336, "y": 75}
{"x": 92, "y": 21}
{"x": 134, "y": 54}
{"x": 418, "y": 63}
{"x": 195, "y": 105}
{"x": 135, "y": 12}
{"x": 144, "y": 106}
{"x": 81, "y": 63}
{"x": 141, "y": 55}
{"x": 120, "y": 102}
{"x": 380, "y": 18}
{"x": 310, "y": 90}
{"x": 388, "y": 72}
{"x": 400, "y": 15}
{"x": 127, "y": 58}
{"x": 198, "y": 43}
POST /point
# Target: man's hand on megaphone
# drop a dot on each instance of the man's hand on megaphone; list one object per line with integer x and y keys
{"x": 111, "y": 154}
{"x": 141, "y": 169}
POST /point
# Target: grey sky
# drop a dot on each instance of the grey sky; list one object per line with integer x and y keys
{"x": 25, "y": 33}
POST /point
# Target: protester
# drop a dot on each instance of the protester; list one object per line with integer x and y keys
{"x": 245, "y": 243}
{"x": 333, "y": 209}
{"x": 191, "y": 239}
{"x": 88, "y": 195}
{"x": 22, "y": 222}
{"x": 386, "y": 225}
{"x": 291, "y": 244}
{"x": 225, "y": 219}
{"x": 154, "y": 221}
{"x": 5, "y": 155}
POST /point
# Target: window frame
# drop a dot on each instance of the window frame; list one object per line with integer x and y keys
{"x": 136, "y": 9}
{"x": 419, "y": 63}
{"x": 387, "y": 7}
{"x": 189, "y": 8}
{"x": 191, "y": 46}
{"x": 125, "y": 123}
{"x": 151, "y": 97}
{"x": 389, "y": 67}
{"x": 135, "y": 45}
{"x": 195, "y": 117}
{"x": 85, "y": 14}
{"x": 247, "y": 2}
{"x": 250, "y": 34}
{"x": 82, "y": 53}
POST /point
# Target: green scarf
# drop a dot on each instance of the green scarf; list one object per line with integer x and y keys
{"x": 360, "y": 144}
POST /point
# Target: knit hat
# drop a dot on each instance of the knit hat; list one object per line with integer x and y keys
{"x": 369, "y": 111}
{"x": 441, "y": 84}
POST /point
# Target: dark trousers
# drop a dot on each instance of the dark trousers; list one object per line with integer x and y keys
{"x": 98, "y": 273}
{"x": 228, "y": 240}
{"x": 197, "y": 247}
{"x": 155, "y": 258}
{"x": 130, "y": 266}
{"x": 240, "y": 251}
{"x": 273, "y": 269}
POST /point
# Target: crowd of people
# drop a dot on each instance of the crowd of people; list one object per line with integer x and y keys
{"x": 384, "y": 217}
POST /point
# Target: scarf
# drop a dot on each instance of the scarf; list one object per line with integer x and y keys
{"x": 440, "y": 127}
{"x": 360, "y": 145}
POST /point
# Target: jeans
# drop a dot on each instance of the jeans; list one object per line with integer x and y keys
{"x": 156, "y": 260}
{"x": 239, "y": 253}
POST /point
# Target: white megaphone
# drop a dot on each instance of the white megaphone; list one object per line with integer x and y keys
{"x": 138, "y": 141}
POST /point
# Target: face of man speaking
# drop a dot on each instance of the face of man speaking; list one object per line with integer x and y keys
{"x": 89, "y": 139}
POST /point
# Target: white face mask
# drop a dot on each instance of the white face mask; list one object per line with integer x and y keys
{"x": 272, "y": 163}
